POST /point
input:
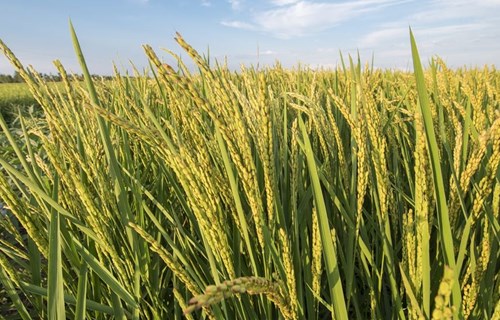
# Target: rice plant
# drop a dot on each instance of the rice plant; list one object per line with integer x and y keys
{"x": 258, "y": 194}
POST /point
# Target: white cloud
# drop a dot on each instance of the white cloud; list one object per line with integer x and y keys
{"x": 391, "y": 37}
{"x": 440, "y": 10}
{"x": 268, "y": 53}
{"x": 453, "y": 30}
{"x": 206, "y": 3}
{"x": 383, "y": 35}
{"x": 459, "y": 31}
{"x": 239, "y": 25}
{"x": 299, "y": 18}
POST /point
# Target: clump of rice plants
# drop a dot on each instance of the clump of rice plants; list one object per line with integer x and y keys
{"x": 258, "y": 194}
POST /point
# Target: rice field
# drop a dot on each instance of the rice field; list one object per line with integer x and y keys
{"x": 15, "y": 93}
{"x": 353, "y": 193}
{"x": 12, "y": 96}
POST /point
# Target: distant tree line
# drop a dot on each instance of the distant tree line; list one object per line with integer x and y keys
{"x": 16, "y": 77}
{"x": 7, "y": 78}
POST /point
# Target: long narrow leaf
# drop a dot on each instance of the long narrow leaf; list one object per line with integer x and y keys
{"x": 81, "y": 301}
{"x": 105, "y": 275}
{"x": 91, "y": 305}
{"x": 445, "y": 232}
{"x": 56, "y": 309}
{"x": 329, "y": 250}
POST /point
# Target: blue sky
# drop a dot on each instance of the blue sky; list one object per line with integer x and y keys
{"x": 462, "y": 32}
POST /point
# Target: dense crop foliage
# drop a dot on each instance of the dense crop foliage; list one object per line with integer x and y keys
{"x": 264, "y": 194}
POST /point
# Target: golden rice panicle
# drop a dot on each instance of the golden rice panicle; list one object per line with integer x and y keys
{"x": 338, "y": 140}
{"x": 487, "y": 182}
{"x": 182, "y": 303}
{"x": 362, "y": 175}
{"x": 215, "y": 218}
{"x": 409, "y": 251}
{"x": 495, "y": 139}
{"x": 457, "y": 154}
{"x": 150, "y": 53}
{"x": 457, "y": 149}
{"x": 21, "y": 210}
{"x": 246, "y": 170}
{"x": 179, "y": 88}
{"x": 422, "y": 197}
{"x": 266, "y": 146}
{"x": 245, "y": 285}
{"x": 358, "y": 131}
{"x": 344, "y": 110}
{"x": 237, "y": 132}
{"x": 496, "y": 201}
{"x": 294, "y": 172}
{"x": 325, "y": 136}
{"x": 475, "y": 96}
{"x": 286, "y": 257}
{"x": 377, "y": 152}
{"x": 317, "y": 253}
{"x": 197, "y": 189}
{"x": 99, "y": 219}
{"x": 469, "y": 298}
{"x": 472, "y": 289}
{"x": 371, "y": 120}
{"x": 11, "y": 229}
{"x": 236, "y": 119}
{"x": 442, "y": 309}
{"x": 428, "y": 80}
{"x": 492, "y": 93}
{"x": 473, "y": 163}
{"x": 484, "y": 190}
{"x": 200, "y": 62}
{"x": 446, "y": 80}
{"x": 13, "y": 60}
{"x": 14, "y": 275}
{"x": 67, "y": 84}
{"x": 319, "y": 123}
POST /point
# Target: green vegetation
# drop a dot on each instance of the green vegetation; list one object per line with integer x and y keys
{"x": 12, "y": 97}
{"x": 262, "y": 194}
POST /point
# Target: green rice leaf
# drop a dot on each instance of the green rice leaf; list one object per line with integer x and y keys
{"x": 55, "y": 293}
{"x": 105, "y": 275}
{"x": 329, "y": 251}
{"x": 445, "y": 232}
{"x": 81, "y": 301}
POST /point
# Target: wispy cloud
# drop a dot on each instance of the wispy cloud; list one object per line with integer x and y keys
{"x": 268, "y": 53}
{"x": 206, "y": 3}
{"x": 291, "y": 18}
{"x": 239, "y": 25}
{"x": 450, "y": 29}
{"x": 441, "y": 10}
{"x": 434, "y": 34}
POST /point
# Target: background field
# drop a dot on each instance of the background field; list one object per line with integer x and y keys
{"x": 13, "y": 96}
{"x": 264, "y": 194}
